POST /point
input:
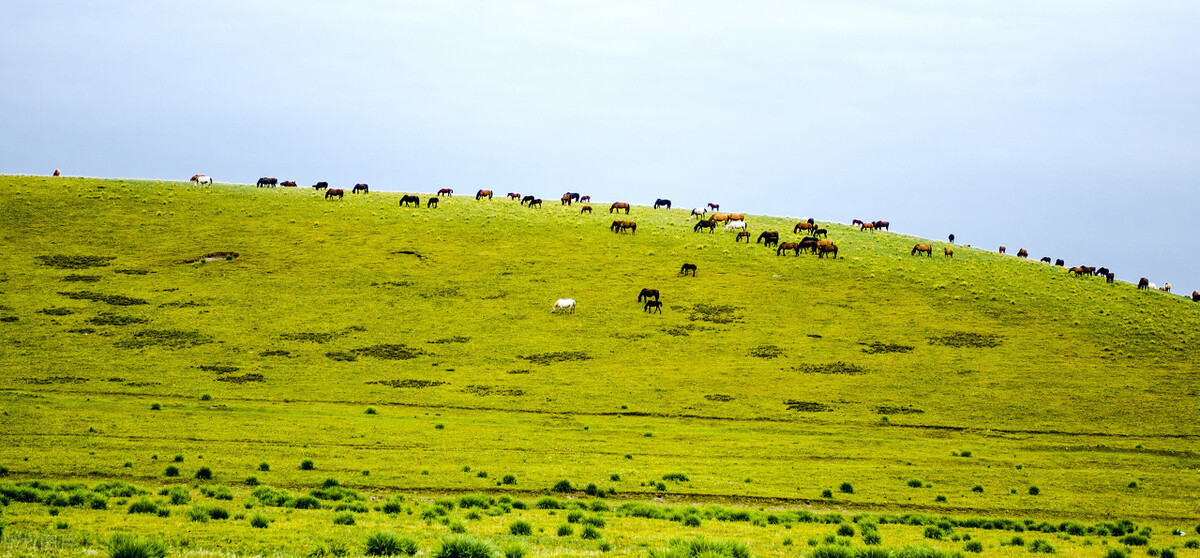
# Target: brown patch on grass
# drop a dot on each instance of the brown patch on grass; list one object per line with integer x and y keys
{"x": 806, "y": 406}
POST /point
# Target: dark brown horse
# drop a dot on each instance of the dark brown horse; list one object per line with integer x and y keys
{"x": 705, "y": 224}
{"x": 688, "y": 268}
{"x": 288, "y": 183}
{"x": 741, "y": 235}
{"x": 662, "y": 203}
{"x": 1022, "y": 253}
{"x": 784, "y": 247}
{"x": 653, "y": 306}
{"x": 1195, "y": 296}
{"x": 585, "y": 209}
{"x": 360, "y": 188}
{"x": 768, "y": 238}
{"x": 856, "y": 222}
{"x": 566, "y": 199}
{"x": 433, "y": 202}
{"x": 622, "y": 226}
{"x": 527, "y": 199}
{"x": 1045, "y": 259}
{"x": 1144, "y": 283}
{"x": 647, "y": 294}
{"x": 884, "y": 225}
{"x": 1060, "y": 263}
{"x": 809, "y": 244}
{"x": 827, "y": 249}
{"x": 617, "y": 206}
{"x": 1002, "y": 249}
{"x": 514, "y": 196}
{"x": 320, "y": 186}
{"x": 803, "y": 226}
{"x": 57, "y": 173}
{"x": 535, "y": 201}
{"x": 585, "y": 199}
{"x": 267, "y": 181}
{"x": 414, "y": 200}
{"x": 714, "y": 206}
{"x": 334, "y": 193}
{"x": 922, "y": 249}
{"x": 819, "y": 232}
{"x": 483, "y": 194}
{"x": 446, "y": 192}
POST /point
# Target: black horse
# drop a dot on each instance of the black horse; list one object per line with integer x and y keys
{"x": 687, "y": 267}
{"x": 267, "y": 181}
{"x": 537, "y": 202}
{"x": 705, "y": 224}
{"x": 360, "y": 188}
{"x": 662, "y": 203}
{"x": 768, "y": 238}
{"x": 653, "y": 306}
{"x": 647, "y": 293}
{"x": 414, "y": 200}
{"x": 320, "y": 186}
{"x": 432, "y": 202}
{"x": 526, "y": 199}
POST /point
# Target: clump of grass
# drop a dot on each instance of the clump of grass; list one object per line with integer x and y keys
{"x": 845, "y": 530}
{"x": 344, "y": 518}
{"x": 520, "y": 528}
{"x": 1042, "y": 546}
{"x": 464, "y": 547}
{"x": 967, "y": 339}
{"x": 973, "y": 546}
{"x": 383, "y": 543}
{"x": 934, "y": 532}
{"x": 59, "y": 261}
{"x": 204, "y": 473}
{"x": 307, "y": 465}
{"x": 1034, "y": 491}
{"x": 916, "y": 483}
{"x": 389, "y": 351}
{"x": 259, "y": 521}
{"x": 563, "y": 486}
{"x": 838, "y": 367}
{"x": 508, "y": 479}
{"x": 677, "y": 477}
{"x": 846, "y": 488}
{"x": 589, "y": 532}
{"x": 372, "y": 411}
{"x": 178, "y": 495}
{"x": 557, "y": 356}
{"x": 565, "y": 530}
{"x": 766, "y": 351}
{"x": 143, "y": 506}
{"x": 123, "y": 545}
{"x": 514, "y": 550}
{"x": 682, "y": 548}
{"x": 806, "y": 406}
{"x": 831, "y": 551}
{"x": 171, "y": 471}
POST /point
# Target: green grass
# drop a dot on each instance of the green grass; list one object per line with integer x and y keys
{"x": 775, "y": 368}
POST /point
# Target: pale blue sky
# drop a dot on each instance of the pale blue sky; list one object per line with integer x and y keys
{"x": 1069, "y": 128}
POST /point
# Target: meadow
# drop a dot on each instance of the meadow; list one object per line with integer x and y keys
{"x": 406, "y": 359}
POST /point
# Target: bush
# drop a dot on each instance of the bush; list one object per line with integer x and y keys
{"x": 251, "y": 481}
{"x": 977, "y": 488}
{"x": 973, "y": 546}
{"x": 143, "y": 506}
{"x": 565, "y": 530}
{"x": 178, "y": 495}
{"x": 683, "y": 548}
{"x": 172, "y": 471}
{"x": 463, "y": 547}
{"x": 1121, "y": 552}
{"x": 259, "y": 521}
{"x": 591, "y": 533}
{"x": 871, "y": 538}
{"x": 509, "y": 479}
{"x": 846, "y": 488}
{"x": 1040, "y": 545}
{"x": 458, "y": 527}
{"x": 827, "y": 493}
{"x": 514, "y": 550}
{"x": 1164, "y": 553}
{"x": 915, "y": 483}
{"x": 1133, "y": 540}
{"x": 388, "y": 544}
{"x": 934, "y": 532}
{"x": 122, "y": 545}
{"x": 1034, "y": 491}
{"x": 204, "y": 473}
{"x": 372, "y": 411}
{"x": 677, "y": 477}
{"x": 563, "y": 486}
{"x": 344, "y": 518}
{"x": 264, "y": 466}
{"x": 691, "y": 521}
{"x": 307, "y": 465}
{"x": 520, "y": 528}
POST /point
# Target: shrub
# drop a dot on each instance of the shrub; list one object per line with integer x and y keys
{"x": 548, "y": 503}
{"x": 563, "y": 486}
{"x": 388, "y": 544}
{"x": 973, "y": 546}
{"x": 1133, "y": 540}
{"x": 565, "y": 530}
{"x": 204, "y": 473}
{"x": 474, "y": 501}
{"x": 264, "y": 466}
{"x": 846, "y": 488}
{"x": 372, "y": 411}
{"x": 259, "y": 521}
{"x": 827, "y": 493}
{"x": 1164, "y": 553}
{"x": 677, "y": 477}
{"x": 871, "y": 538}
{"x": 1192, "y": 543}
{"x": 1121, "y": 552}
{"x": 463, "y": 547}
{"x": 1040, "y": 545}
{"x": 514, "y": 550}
{"x": 1034, "y": 491}
{"x": 683, "y": 548}
{"x": 934, "y": 532}
{"x": 155, "y": 407}
{"x": 122, "y": 545}
{"x": 589, "y": 533}
{"x": 344, "y": 518}
{"x": 691, "y": 521}
{"x": 143, "y": 506}
{"x": 509, "y": 479}
{"x": 172, "y": 471}
{"x": 458, "y": 527}
{"x": 198, "y": 514}
{"x": 251, "y": 481}
{"x": 915, "y": 483}
{"x": 307, "y": 465}
{"x": 178, "y": 495}
{"x": 520, "y": 528}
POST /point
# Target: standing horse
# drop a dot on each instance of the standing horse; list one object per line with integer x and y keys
{"x": 360, "y": 188}
{"x": 699, "y": 212}
{"x": 584, "y": 199}
{"x": 414, "y": 200}
{"x": 566, "y": 199}
{"x": 57, "y": 173}
{"x": 735, "y": 225}
{"x": 884, "y": 225}
{"x": 705, "y": 224}
{"x": 809, "y": 244}
{"x": 483, "y": 194}
{"x": 537, "y": 202}
{"x": 334, "y": 193}
{"x": 320, "y": 186}
{"x": 1166, "y": 288}
{"x": 866, "y": 226}
{"x": 1022, "y": 253}
{"x": 514, "y": 196}
{"x": 793, "y": 246}
{"x": 1060, "y": 263}
{"x": 564, "y": 304}
{"x": 687, "y": 267}
{"x": 433, "y": 202}
{"x": 1046, "y": 259}
{"x": 768, "y": 238}
{"x": 647, "y": 293}
{"x": 1002, "y": 249}
{"x": 714, "y": 207}
{"x": 585, "y": 209}
{"x": 202, "y": 179}
{"x": 856, "y": 222}
{"x": 922, "y": 249}
{"x": 617, "y": 206}
{"x": 449, "y": 192}
{"x": 653, "y": 306}
{"x": 1144, "y": 283}
{"x": 623, "y": 226}
{"x": 741, "y": 235}
{"x": 719, "y": 217}
{"x": 827, "y": 249}
{"x": 267, "y": 181}
{"x": 662, "y": 203}
{"x": 948, "y": 252}
{"x": 737, "y": 216}
{"x": 1195, "y": 296}
{"x": 803, "y": 226}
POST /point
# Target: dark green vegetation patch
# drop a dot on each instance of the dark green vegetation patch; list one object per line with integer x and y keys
{"x": 115, "y": 300}
{"x": 55, "y": 380}
{"x": 82, "y": 278}
{"x": 308, "y": 336}
{"x": 389, "y": 351}
{"x": 766, "y": 351}
{"x": 219, "y": 369}
{"x": 56, "y": 311}
{"x": 455, "y": 339}
{"x": 244, "y": 378}
{"x": 409, "y": 383}
{"x": 719, "y": 397}
{"x": 831, "y": 368}
{"x": 493, "y": 390}
{"x": 967, "y": 339}
{"x": 715, "y": 313}
{"x": 557, "y": 356}
{"x": 900, "y": 410}
{"x": 878, "y": 348}
{"x": 75, "y": 262}
{"x": 806, "y": 406}
{"x": 165, "y": 338}
{"x": 131, "y": 271}
{"x": 115, "y": 320}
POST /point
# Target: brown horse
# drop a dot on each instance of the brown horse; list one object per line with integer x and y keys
{"x": 741, "y": 235}
{"x": 737, "y": 216}
{"x": 856, "y": 222}
{"x": 334, "y": 193}
{"x": 566, "y": 199}
{"x": 866, "y": 226}
{"x": 803, "y": 226}
{"x": 617, "y": 206}
{"x": 583, "y": 199}
{"x": 647, "y": 293}
{"x": 884, "y": 225}
{"x": 784, "y": 247}
{"x": 536, "y": 201}
{"x": 714, "y": 206}
{"x": 267, "y": 181}
{"x": 819, "y": 232}
{"x": 514, "y": 196}
{"x": 809, "y": 244}
{"x": 288, "y": 183}
{"x": 1002, "y": 249}
{"x": 688, "y": 268}
{"x": 585, "y": 209}
{"x": 768, "y": 238}
{"x": 1195, "y": 296}
{"x": 57, "y": 173}
{"x": 653, "y": 306}
{"x": 414, "y": 200}
{"x": 446, "y": 192}
{"x": 432, "y": 202}
{"x": 719, "y": 217}
{"x": 1143, "y": 283}
{"x": 922, "y": 249}
{"x": 948, "y": 252}
{"x": 622, "y": 226}
{"x": 483, "y": 194}
{"x": 1022, "y": 253}
{"x": 360, "y": 188}
{"x": 827, "y": 249}
{"x": 709, "y": 224}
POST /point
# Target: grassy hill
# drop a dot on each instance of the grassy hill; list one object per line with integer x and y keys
{"x": 766, "y": 381}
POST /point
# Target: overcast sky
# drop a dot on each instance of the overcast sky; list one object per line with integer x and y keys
{"x": 1068, "y": 128}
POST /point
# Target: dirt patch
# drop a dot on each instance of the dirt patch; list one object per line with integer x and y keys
{"x": 214, "y": 257}
{"x": 75, "y": 262}
{"x": 967, "y": 339}
{"x": 831, "y": 368}
{"x": 806, "y": 406}
{"x": 558, "y": 356}
{"x": 115, "y": 300}
{"x": 418, "y": 384}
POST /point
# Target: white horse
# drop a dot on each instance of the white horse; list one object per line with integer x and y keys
{"x": 738, "y": 225}
{"x": 202, "y": 179}
{"x": 699, "y": 212}
{"x": 564, "y": 304}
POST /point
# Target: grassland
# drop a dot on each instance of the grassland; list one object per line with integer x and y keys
{"x": 413, "y": 352}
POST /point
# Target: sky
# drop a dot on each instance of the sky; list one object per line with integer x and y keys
{"x": 1069, "y": 128}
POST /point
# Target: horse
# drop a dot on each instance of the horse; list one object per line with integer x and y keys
{"x": 923, "y": 249}
{"x": 653, "y": 306}
{"x": 819, "y": 232}
{"x": 1002, "y": 249}
{"x": 709, "y": 224}
{"x": 686, "y": 268}
{"x": 1108, "y": 277}
{"x": 526, "y": 199}
{"x": 537, "y": 202}
{"x": 951, "y": 234}
{"x": 794, "y": 246}
{"x": 617, "y": 206}
{"x": 449, "y": 192}
{"x": 699, "y": 212}
{"x": 1060, "y": 263}
{"x": 514, "y": 196}
{"x": 1022, "y": 253}
{"x": 721, "y": 217}
{"x": 483, "y": 194}
{"x": 572, "y": 196}
{"x": 809, "y": 244}
{"x": 737, "y": 216}
{"x": 1195, "y": 296}
{"x": 1166, "y": 288}
{"x": 200, "y": 179}
{"x": 566, "y": 199}
{"x": 267, "y": 181}
{"x": 57, "y": 173}
{"x": 288, "y": 183}
{"x": 948, "y": 252}
{"x": 433, "y": 202}
{"x": 884, "y": 225}
{"x": 1045, "y": 259}
{"x": 827, "y": 249}
{"x": 866, "y": 226}
{"x": 583, "y": 199}
{"x": 564, "y": 304}
{"x": 661, "y": 203}
{"x": 360, "y": 188}
{"x": 414, "y": 200}
{"x": 768, "y": 238}
{"x": 856, "y": 222}
{"x": 738, "y": 225}
{"x": 320, "y": 186}
{"x": 647, "y": 293}
{"x": 585, "y": 209}
{"x": 1143, "y": 283}
{"x": 1102, "y": 271}
{"x": 803, "y": 226}
{"x": 741, "y": 235}
{"x": 334, "y": 193}
{"x": 714, "y": 207}
{"x": 622, "y": 226}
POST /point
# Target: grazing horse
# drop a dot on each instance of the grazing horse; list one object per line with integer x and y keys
{"x": 1060, "y": 263}
{"x": 433, "y": 202}
{"x": 526, "y": 199}
{"x": 572, "y": 196}
{"x": 585, "y": 209}
{"x": 948, "y": 252}
{"x": 1046, "y": 259}
{"x": 1143, "y": 283}
{"x": 884, "y": 225}
{"x": 647, "y": 293}
{"x": 617, "y": 206}
{"x": 622, "y": 226}
{"x": 57, "y": 173}
{"x": 809, "y": 244}
{"x": 866, "y": 226}
{"x": 288, "y": 183}
{"x": 803, "y": 226}
{"x": 536, "y": 201}
{"x": 719, "y": 217}
{"x": 827, "y": 249}
{"x": 1166, "y": 288}
{"x": 1195, "y": 296}
{"x": 1022, "y": 253}
{"x": 923, "y": 249}
{"x": 334, "y": 193}
{"x": 1102, "y": 271}
{"x": 653, "y": 306}
{"x": 687, "y": 267}
{"x": 267, "y": 181}
{"x": 566, "y": 199}
{"x": 699, "y": 212}
{"x": 1002, "y": 249}
{"x": 201, "y": 179}
{"x": 449, "y": 192}
{"x": 1108, "y": 277}
{"x": 514, "y": 196}
{"x": 564, "y": 304}
{"x": 360, "y": 188}
{"x": 819, "y": 232}
{"x": 414, "y": 200}
{"x": 737, "y": 216}
{"x": 320, "y": 186}
{"x": 768, "y": 238}
{"x": 662, "y": 203}
{"x": 738, "y": 225}
{"x": 583, "y": 199}
{"x": 856, "y": 222}
{"x": 714, "y": 207}
{"x": 483, "y": 194}
{"x": 741, "y": 235}
{"x": 794, "y": 246}
{"x": 709, "y": 224}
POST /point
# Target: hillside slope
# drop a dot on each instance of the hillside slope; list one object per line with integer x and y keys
{"x": 765, "y": 376}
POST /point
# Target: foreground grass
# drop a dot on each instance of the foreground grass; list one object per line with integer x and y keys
{"x": 767, "y": 381}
